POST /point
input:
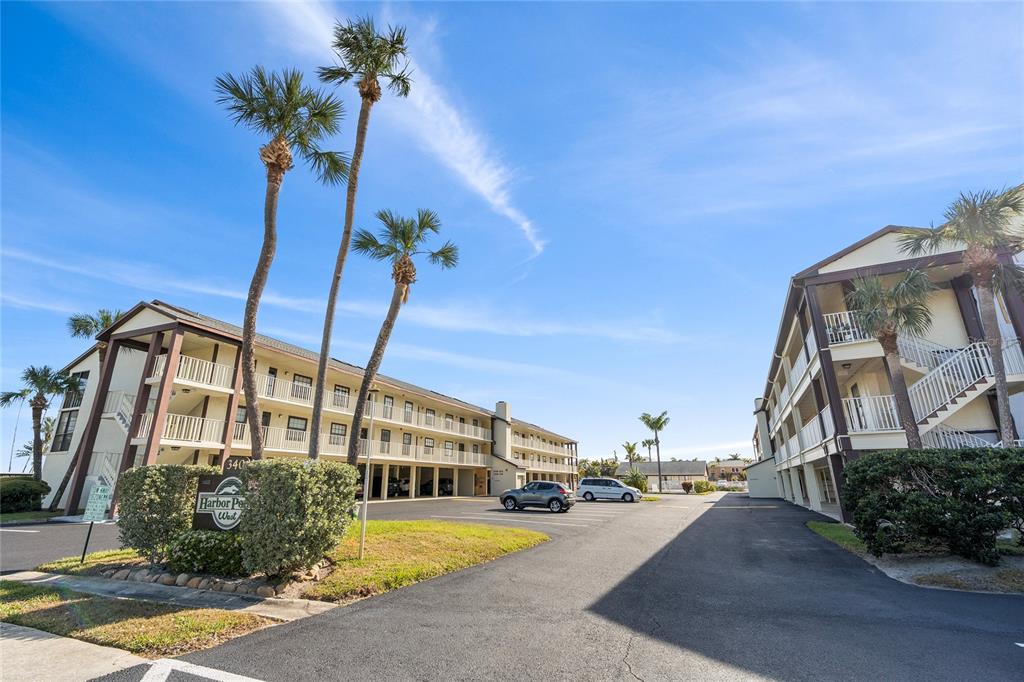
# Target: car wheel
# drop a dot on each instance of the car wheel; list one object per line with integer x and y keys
{"x": 555, "y": 505}
{"x": 510, "y": 504}
{"x": 589, "y": 497}
{"x": 628, "y": 497}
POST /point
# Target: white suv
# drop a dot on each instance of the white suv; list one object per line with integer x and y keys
{"x": 591, "y": 489}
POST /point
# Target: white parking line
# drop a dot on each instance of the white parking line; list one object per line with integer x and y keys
{"x": 161, "y": 669}
{"x": 514, "y": 520}
{"x": 16, "y": 530}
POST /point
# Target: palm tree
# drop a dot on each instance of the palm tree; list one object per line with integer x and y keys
{"x": 648, "y": 443}
{"x": 885, "y": 313}
{"x": 42, "y": 383}
{"x": 984, "y": 222}
{"x": 366, "y": 57}
{"x": 23, "y": 394}
{"x": 85, "y": 326}
{"x": 398, "y": 241}
{"x": 632, "y": 456}
{"x": 656, "y": 424}
{"x": 49, "y": 426}
{"x": 294, "y": 117}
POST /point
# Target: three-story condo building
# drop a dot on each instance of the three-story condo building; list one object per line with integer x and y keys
{"x": 828, "y": 396}
{"x": 170, "y": 393}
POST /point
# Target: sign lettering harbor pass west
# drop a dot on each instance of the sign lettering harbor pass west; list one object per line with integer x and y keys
{"x": 219, "y": 503}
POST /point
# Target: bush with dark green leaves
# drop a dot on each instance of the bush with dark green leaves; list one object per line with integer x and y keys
{"x": 954, "y": 499}
{"x": 295, "y": 512}
{"x": 636, "y": 479}
{"x": 207, "y": 551}
{"x": 156, "y": 505}
{"x": 702, "y": 486}
{"x": 687, "y": 487}
{"x": 21, "y": 494}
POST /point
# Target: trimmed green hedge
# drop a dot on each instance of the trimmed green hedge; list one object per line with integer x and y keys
{"x": 702, "y": 486}
{"x": 156, "y": 505}
{"x": 19, "y": 494}
{"x": 957, "y": 499}
{"x": 295, "y": 512}
{"x": 207, "y": 551}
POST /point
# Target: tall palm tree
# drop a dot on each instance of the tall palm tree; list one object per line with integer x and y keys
{"x": 297, "y": 117}
{"x": 367, "y": 57}
{"x": 23, "y": 394}
{"x": 885, "y": 313}
{"x": 49, "y": 426}
{"x": 632, "y": 456}
{"x": 42, "y": 383}
{"x": 656, "y": 425}
{"x": 85, "y": 326}
{"x": 986, "y": 224}
{"x": 648, "y": 443}
{"x": 398, "y": 241}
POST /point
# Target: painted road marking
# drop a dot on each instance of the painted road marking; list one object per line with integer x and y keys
{"x": 15, "y": 530}
{"x": 518, "y": 520}
{"x": 160, "y": 670}
{"x": 1020, "y": 644}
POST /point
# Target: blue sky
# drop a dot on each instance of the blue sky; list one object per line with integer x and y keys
{"x": 630, "y": 185}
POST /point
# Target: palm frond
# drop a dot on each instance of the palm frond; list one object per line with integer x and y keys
{"x": 8, "y": 398}
{"x": 447, "y": 256}
{"x": 331, "y": 168}
{"x": 366, "y": 243}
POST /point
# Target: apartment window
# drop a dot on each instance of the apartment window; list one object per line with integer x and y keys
{"x": 74, "y": 398}
{"x": 406, "y": 443}
{"x": 338, "y": 433}
{"x": 476, "y": 448}
{"x": 296, "y": 429}
{"x": 408, "y": 412}
{"x": 240, "y": 416}
{"x": 462, "y": 447}
{"x": 389, "y": 406}
{"x": 449, "y": 422}
{"x": 302, "y": 387}
{"x": 64, "y": 431}
{"x": 340, "y": 396}
{"x": 449, "y": 447}
{"x": 271, "y": 380}
{"x": 428, "y": 445}
{"x": 429, "y": 421}
{"x": 385, "y": 441}
{"x": 265, "y": 419}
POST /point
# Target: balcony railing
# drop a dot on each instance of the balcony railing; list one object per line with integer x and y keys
{"x": 549, "y": 466}
{"x": 533, "y": 444}
{"x": 843, "y": 328}
{"x": 185, "y": 428}
{"x": 872, "y": 413}
{"x": 196, "y": 371}
{"x": 810, "y": 434}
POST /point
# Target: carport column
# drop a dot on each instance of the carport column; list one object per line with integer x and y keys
{"x": 437, "y": 472}
{"x": 384, "y": 481}
{"x": 455, "y": 481}
{"x": 794, "y": 486}
{"x": 813, "y": 494}
{"x": 412, "y": 480}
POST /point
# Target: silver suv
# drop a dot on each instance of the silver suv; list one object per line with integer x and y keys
{"x": 551, "y": 494}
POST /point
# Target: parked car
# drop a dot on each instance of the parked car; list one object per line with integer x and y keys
{"x": 591, "y": 489}
{"x": 550, "y": 494}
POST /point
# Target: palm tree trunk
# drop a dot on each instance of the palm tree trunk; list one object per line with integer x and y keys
{"x": 904, "y": 409}
{"x": 101, "y": 349}
{"x": 339, "y": 266}
{"x": 38, "y": 405}
{"x": 371, "y": 371}
{"x": 657, "y": 448}
{"x": 994, "y": 338}
{"x": 275, "y": 176}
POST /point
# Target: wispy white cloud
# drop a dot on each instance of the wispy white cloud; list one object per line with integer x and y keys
{"x": 35, "y": 302}
{"x": 430, "y": 116}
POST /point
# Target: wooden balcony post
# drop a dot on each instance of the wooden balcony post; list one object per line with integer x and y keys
{"x": 163, "y": 397}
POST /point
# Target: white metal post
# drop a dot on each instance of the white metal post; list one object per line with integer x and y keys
{"x": 366, "y": 473}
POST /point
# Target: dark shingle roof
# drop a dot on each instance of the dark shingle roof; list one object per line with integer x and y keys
{"x": 684, "y": 468}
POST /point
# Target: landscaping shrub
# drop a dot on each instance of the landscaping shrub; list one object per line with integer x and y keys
{"x": 156, "y": 504}
{"x": 636, "y": 479}
{"x": 1010, "y": 463}
{"x": 702, "y": 486}
{"x": 295, "y": 512}
{"x": 687, "y": 487}
{"x": 19, "y": 494}
{"x": 207, "y": 551}
{"x": 950, "y": 498}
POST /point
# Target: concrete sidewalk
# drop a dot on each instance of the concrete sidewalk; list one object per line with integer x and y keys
{"x": 278, "y": 609}
{"x": 28, "y": 655}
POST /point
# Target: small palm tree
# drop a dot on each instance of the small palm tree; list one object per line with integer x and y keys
{"x": 885, "y": 313}
{"x": 656, "y": 425}
{"x": 986, "y": 223}
{"x": 648, "y": 443}
{"x": 367, "y": 57}
{"x": 294, "y": 117}
{"x": 42, "y": 383}
{"x": 49, "y": 426}
{"x": 632, "y": 456}
{"x": 85, "y": 326}
{"x": 398, "y": 241}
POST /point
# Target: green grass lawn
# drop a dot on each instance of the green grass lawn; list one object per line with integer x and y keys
{"x": 144, "y": 628}
{"x": 840, "y": 534}
{"x": 27, "y": 516}
{"x": 650, "y": 498}
{"x": 94, "y": 562}
{"x": 400, "y": 553}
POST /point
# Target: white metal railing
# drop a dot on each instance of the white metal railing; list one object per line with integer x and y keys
{"x": 196, "y": 371}
{"x": 809, "y": 343}
{"x": 159, "y": 362}
{"x": 190, "y": 429}
{"x": 281, "y": 389}
{"x": 535, "y": 444}
{"x": 799, "y": 366}
{"x": 120, "y": 405}
{"x": 810, "y": 434}
{"x": 793, "y": 445}
{"x": 145, "y": 422}
{"x": 548, "y": 466}
{"x": 923, "y": 352}
{"x": 843, "y": 327}
{"x": 829, "y": 420}
{"x": 943, "y": 436}
{"x": 105, "y": 466}
{"x": 871, "y": 413}
{"x": 1013, "y": 359}
{"x": 956, "y": 374}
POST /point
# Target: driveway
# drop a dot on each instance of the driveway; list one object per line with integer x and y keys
{"x": 716, "y": 587}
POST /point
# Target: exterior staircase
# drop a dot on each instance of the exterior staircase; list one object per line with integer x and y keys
{"x": 119, "y": 406}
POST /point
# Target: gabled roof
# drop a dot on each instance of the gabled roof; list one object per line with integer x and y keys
{"x": 683, "y": 468}
{"x": 888, "y": 229}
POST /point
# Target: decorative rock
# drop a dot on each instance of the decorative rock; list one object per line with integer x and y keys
{"x": 281, "y": 588}
{"x": 204, "y": 584}
{"x": 265, "y": 591}
{"x": 166, "y": 579}
{"x": 122, "y": 574}
{"x": 227, "y": 587}
{"x": 242, "y": 589}
{"x": 141, "y": 576}
{"x": 194, "y": 582}
{"x": 182, "y": 579}
{"x": 154, "y": 578}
